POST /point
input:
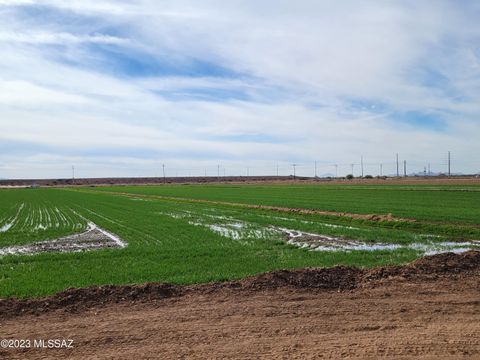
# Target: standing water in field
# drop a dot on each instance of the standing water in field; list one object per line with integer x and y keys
{"x": 93, "y": 238}
{"x": 243, "y": 231}
{"x": 11, "y": 221}
{"x": 31, "y": 222}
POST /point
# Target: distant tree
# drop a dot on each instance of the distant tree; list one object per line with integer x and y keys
{"x": 349, "y": 177}
{"x": 368, "y": 177}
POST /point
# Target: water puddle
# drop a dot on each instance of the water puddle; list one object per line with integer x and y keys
{"x": 235, "y": 229}
{"x": 11, "y": 221}
{"x": 333, "y": 226}
{"x": 94, "y": 238}
{"x": 328, "y": 243}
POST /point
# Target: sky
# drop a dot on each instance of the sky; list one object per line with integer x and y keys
{"x": 119, "y": 88}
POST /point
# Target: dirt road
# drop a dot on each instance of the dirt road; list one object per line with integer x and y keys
{"x": 426, "y": 310}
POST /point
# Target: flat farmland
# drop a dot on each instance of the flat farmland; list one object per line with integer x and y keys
{"x": 428, "y": 202}
{"x": 53, "y": 239}
{"x": 242, "y": 271}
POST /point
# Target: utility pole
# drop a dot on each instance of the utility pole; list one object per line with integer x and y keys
{"x": 429, "y": 172}
{"x": 336, "y": 170}
{"x": 277, "y": 169}
{"x": 218, "y": 172}
{"x": 315, "y": 169}
{"x": 294, "y": 171}
{"x": 381, "y": 169}
{"x": 398, "y": 174}
{"x": 361, "y": 163}
{"x": 248, "y": 172}
{"x": 352, "y": 165}
{"x": 449, "y": 173}
{"x": 73, "y": 174}
{"x": 224, "y": 172}
{"x": 164, "y": 178}
{"x": 405, "y": 168}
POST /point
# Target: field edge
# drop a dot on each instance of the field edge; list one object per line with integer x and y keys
{"x": 338, "y": 278}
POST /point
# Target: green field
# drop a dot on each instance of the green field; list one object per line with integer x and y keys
{"x": 445, "y": 203}
{"x": 173, "y": 238}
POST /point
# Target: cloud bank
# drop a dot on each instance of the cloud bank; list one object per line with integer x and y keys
{"x": 119, "y": 88}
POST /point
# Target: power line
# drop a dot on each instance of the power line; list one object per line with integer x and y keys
{"x": 318, "y": 168}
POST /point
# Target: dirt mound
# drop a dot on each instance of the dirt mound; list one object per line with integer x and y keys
{"x": 399, "y": 320}
{"x": 73, "y": 299}
{"x": 348, "y": 278}
{"x": 338, "y": 278}
{"x": 429, "y": 266}
{"x": 315, "y": 279}
{"x": 448, "y": 262}
{"x": 369, "y": 217}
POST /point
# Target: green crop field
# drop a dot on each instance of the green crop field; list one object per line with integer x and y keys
{"x": 453, "y": 204}
{"x": 173, "y": 237}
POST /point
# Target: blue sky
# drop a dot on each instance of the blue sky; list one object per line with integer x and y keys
{"x": 119, "y": 88}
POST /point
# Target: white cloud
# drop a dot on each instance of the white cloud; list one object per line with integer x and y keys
{"x": 19, "y": 92}
{"x": 302, "y": 66}
{"x": 60, "y": 38}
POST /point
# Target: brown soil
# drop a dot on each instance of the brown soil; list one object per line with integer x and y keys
{"x": 410, "y": 180}
{"x": 369, "y": 217}
{"x": 428, "y": 309}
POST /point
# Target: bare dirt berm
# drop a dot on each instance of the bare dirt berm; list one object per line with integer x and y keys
{"x": 429, "y": 309}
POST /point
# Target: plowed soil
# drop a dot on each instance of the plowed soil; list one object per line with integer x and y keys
{"x": 429, "y": 309}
